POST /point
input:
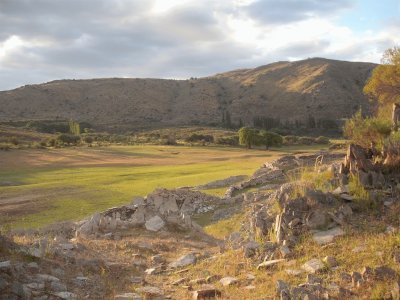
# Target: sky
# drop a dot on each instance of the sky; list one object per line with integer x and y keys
{"x": 44, "y": 40}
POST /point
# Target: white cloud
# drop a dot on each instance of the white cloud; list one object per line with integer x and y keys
{"x": 156, "y": 38}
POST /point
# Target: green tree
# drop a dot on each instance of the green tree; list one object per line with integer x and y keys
{"x": 270, "y": 139}
{"x": 248, "y": 137}
{"x": 74, "y": 127}
{"x": 384, "y": 83}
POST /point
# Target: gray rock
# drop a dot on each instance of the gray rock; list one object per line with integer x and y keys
{"x": 46, "y": 277}
{"x": 313, "y": 266}
{"x": 183, "y": 261}
{"x": 5, "y": 265}
{"x": 206, "y": 292}
{"x": 128, "y": 296}
{"x": 18, "y": 290}
{"x": 57, "y": 286}
{"x": 285, "y": 251}
{"x": 3, "y": 284}
{"x": 66, "y": 295}
{"x": 251, "y": 248}
{"x": 357, "y": 279}
{"x": 154, "y": 224}
{"x": 270, "y": 263}
{"x": 317, "y": 219}
{"x": 151, "y": 293}
{"x": 330, "y": 261}
{"x": 67, "y": 246}
{"x": 228, "y": 281}
{"x": 312, "y": 279}
{"x": 158, "y": 259}
{"x": 384, "y": 272}
{"x": 327, "y": 236}
{"x": 282, "y": 286}
{"x": 33, "y": 267}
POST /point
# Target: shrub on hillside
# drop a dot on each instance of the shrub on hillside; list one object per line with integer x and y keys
{"x": 199, "y": 138}
{"x": 305, "y": 140}
{"x": 228, "y": 140}
{"x": 367, "y": 131}
{"x": 290, "y": 139}
{"x": 68, "y": 139}
{"x": 323, "y": 140}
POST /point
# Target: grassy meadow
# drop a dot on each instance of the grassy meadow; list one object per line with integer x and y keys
{"x": 42, "y": 186}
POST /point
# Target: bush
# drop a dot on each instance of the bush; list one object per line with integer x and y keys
{"x": 228, "y": 140}
{"x": 290, "y": 139}
{"x": 5, "y": 146}
{"x": 367, "y": 131}
{"x": 68, "y": 139}
{"x": 305, "y": 140}
{"x": 88, "y": 139}
{"x": 199, "y": 138}
{"x": 323, "y": 140}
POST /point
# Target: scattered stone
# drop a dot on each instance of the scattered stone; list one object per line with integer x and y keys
{"x": 33, "y": 267}
{"x": 139, "y": 260}
{"x": 345, "y": 277}
{"x": 5, "y": 265}
{"x": 158, "y": 259}
{"x": 357, "y": 279}
{"x": 312, "y": 279}
{"x": 151, "y": 293}
{"x": 66, "y": 295}
{"x": 3, "y": 284}
{"x": 154, "y": 224}
{"x": 270, "y": 263}
{"x": 128, "y": 296}
{"x": 228, "y": 281}
{"x": 67, "y": 246}
{"x": 183, "y": 261}
{"x": 57, "y": 286}
{"x": 330, "y": 261}
{"x": 136, "y": 280}
{"x": 46, "y": 277}
{"x": 384, "y": 272}
{"x": 213, "y": 278}
{"x": 294, "y": 272}
{"x": 327, "y": 236}
{"x": 179, "y": 281}
{"x": 282, "y": 287}
{"x": 347, "y": 197}
{"x": 198, "y": 281}
{"x": 341, "y": 190}
{"x": 151, "y": 271}
{"x": 285, "y": 251}
{"x": 317, "y": 219}
{"x": 313, "y": 266}
{"x": 250, "y": 248}
{"x": 206, "y": 293}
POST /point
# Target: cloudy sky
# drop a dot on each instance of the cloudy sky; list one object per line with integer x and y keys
{"x": 43, "y": 40}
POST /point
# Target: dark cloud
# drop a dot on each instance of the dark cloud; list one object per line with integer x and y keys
{"x": 288, "y": 11}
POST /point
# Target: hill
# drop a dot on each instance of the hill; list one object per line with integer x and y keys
{"x": 288, "y": 93}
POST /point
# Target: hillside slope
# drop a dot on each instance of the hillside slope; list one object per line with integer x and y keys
{"x": 289, "y": 91}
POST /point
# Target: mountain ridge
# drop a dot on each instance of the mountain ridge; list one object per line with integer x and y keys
{"x": 289, "y": 92}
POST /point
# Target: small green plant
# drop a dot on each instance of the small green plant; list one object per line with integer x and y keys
{"x": 360, "y": 194}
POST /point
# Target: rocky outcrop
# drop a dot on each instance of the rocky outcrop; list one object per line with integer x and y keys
{"x": 158, "y": 210}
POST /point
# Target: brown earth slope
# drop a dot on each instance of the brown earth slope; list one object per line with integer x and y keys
{"x": 321, "y": 88}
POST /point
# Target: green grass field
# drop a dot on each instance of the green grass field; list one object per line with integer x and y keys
{"x": 39, "y": 187}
